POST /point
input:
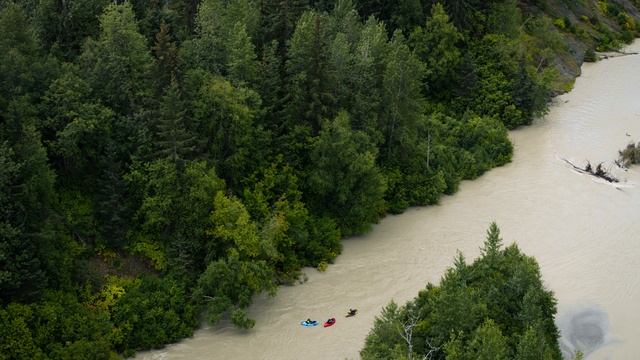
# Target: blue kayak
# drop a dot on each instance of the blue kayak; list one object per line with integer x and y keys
{"x": 309, "y": 324}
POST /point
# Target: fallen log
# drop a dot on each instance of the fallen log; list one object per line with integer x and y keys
{"x": 621, "y": 165}
{"x": 599, "y": 172}
{"x": 614, "y": 54}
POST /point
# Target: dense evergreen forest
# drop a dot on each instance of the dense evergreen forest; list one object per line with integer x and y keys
{"x": 163, "y": 158}
{"x": 493, "y": 309}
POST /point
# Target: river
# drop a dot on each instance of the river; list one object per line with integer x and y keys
{"x": 585, "y": 234}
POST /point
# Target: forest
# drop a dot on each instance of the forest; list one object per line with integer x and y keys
{"x": 164, "y": 159}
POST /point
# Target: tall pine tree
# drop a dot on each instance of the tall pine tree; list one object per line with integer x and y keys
{"x": 310, "y": 81}
{"x": 173, "y": 140}
{"x": 436, "y": 45}
{"x": 166, "y": 58}
{"x": 118, "y": 64}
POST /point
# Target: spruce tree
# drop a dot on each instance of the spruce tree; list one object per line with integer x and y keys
{"x": 370, "y": 57}
{"x": 488, "y": 343}
{"x": 270, "y": 88}
{"x": 279, "y": 18}
{"x": 21, "y": 274}
{"x": 309, "y": 73}
{"x": 222, "y": 26}
{"x": 111, "y": 201}
{"x": 23, "y": 71}
{"x": 533, "y": 345}
{"x": 436, "y": 45}
{"x": 241, "y": 57}
{"x": 493, "y": 243}
{"x": 341, "y": 153}
{"x": 345, "y": 19}
{"x": 403, "y": 15}
{"x": 26, "y": 193}
{"x": 404, "y": 104}
{"x": 63, "y": 26}
{"x": 118, "y": 64}
{"x": 166, "y": 58}
{"x": 173, "y": 140}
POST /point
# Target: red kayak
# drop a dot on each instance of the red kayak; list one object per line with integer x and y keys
{"x": 329, "y": 322}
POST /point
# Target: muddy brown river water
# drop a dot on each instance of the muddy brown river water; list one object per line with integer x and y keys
{"x": 585, "y": 234}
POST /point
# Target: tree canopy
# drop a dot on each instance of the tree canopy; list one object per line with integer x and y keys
{"x": 163, "y": 158}
{"x": 493, "y": 308}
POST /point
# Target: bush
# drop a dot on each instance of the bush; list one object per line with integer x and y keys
{"x": 590, "y": 56}
{"x": 630, "y": 155}
{"x": 560, "y": 24}
{"x": 152, "y": 312}
{"x": 322, "y": 266}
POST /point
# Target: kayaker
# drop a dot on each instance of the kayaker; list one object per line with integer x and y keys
{"x": 352, "y": 312}
{"x": 308, "y": 321}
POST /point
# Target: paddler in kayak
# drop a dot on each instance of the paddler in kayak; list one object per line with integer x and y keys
{"x": 308, "y": 321}
{"x": 352, "y": 312}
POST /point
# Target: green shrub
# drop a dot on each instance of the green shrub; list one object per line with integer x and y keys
{"x": 590, "y": 56}
{"x": 560, "y": 23}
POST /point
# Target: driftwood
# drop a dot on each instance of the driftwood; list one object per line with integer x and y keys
{"x": 599, "y": 171}
{"x": 620, "y": 165}
{"x": 614, "y": 54}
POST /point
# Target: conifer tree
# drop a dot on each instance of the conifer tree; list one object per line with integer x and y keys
{"x": 23, "y": 71}
{"x": 467, "y": 14}
{"x": 26, "y": 194}
{"x": 270, "y": 88}
{"x": 218, "y": 23}
{"x": 370, "y": 61}
{"x": 493, "y": 242}
{"x": 477, "y": 311}
{"x": 173, "y": 140}
{"x": 488, "y": 343}
{"x": 309, "y": 73}
{"x": 186, "y": 12}
{"x": 118, "y": 64}
{"x": 205, "y": 50}
{"x": 436, "y": 45}
{"x": 341, "y": 153}
{"x": 111, "y": 204}
{"x": 341, "y": 65}
{"x": 345, "y": 19}
{"x": 533, "y": 345}
{"x": 402, "y": 15}
{"x": 279, "y": 18}
{"x": 166, "y": 58}
{"x": 403, "y": 103}
{"x": 63, "y": 26}
{"x": 75, "y": 128}
{"x": 21, "y": 272}
{"x": 151, "y": 14}
{"x": 241, "y": 57}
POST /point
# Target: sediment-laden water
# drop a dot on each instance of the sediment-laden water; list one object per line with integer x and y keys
{"x": 584, "y": 232}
